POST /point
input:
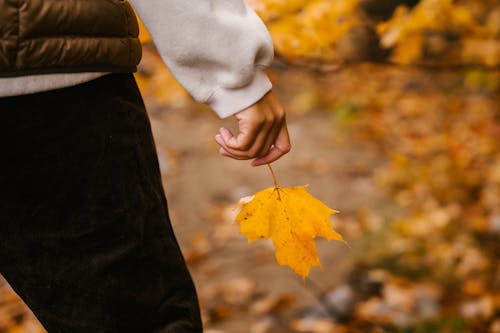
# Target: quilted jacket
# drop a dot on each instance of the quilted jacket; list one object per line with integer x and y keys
{"x": 54, "y": 36}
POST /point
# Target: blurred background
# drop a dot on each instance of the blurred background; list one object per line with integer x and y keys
{"x": 394, "y": 115}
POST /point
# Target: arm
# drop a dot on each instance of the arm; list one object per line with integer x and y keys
{"x": 217, "y": 50}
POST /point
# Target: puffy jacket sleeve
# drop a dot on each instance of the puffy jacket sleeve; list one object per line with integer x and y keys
{"x": 216, "y": 49}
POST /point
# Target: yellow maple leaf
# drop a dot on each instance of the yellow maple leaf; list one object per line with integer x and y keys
{"x": 292, "y": 218}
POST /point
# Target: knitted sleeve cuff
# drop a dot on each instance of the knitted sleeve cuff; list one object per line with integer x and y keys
{"x": 227, "y": 101}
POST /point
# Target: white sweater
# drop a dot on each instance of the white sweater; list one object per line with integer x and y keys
{"x": 216, "y": 49}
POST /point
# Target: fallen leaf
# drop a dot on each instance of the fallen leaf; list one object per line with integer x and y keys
{"x": 315, "y": 325}
{"x": 272, "y": 303}
{"x": 292, "y": 218}
{"x": 268, "y": 324}
{"x": 238, "y": 291}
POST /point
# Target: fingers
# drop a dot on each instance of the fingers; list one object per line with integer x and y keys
{"x": 246, "y": 139}
{"x": 259, "y": 143}
{"x": 259, "y": 127}
{"x": 281, "y": 147}
{"x": 262, "y": 133}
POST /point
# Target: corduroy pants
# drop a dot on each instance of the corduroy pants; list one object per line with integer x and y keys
{"x": 85, "y": 236}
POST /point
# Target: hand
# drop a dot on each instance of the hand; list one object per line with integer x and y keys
{"x": 263, "y": 134}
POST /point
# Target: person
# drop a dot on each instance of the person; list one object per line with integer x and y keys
{"x": 85, "y": 236}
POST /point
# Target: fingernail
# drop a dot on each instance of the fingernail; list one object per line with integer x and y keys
{"x": 255, "y": 162}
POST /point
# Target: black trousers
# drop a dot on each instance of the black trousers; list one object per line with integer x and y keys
{"x": 85, "y": 237}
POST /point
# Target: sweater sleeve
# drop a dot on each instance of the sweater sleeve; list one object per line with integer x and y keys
{"x": 216, "y": 49}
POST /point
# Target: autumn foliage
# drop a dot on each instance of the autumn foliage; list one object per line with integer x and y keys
{"x": 432, "y": 32}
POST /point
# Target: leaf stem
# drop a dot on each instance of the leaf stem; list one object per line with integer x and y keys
{"x": 274, "y": 175}
{"x": 276, "y": 186}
